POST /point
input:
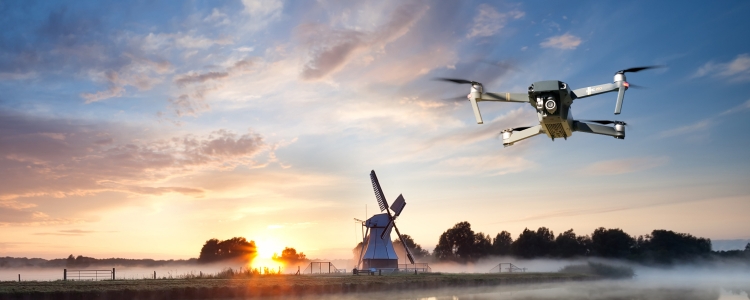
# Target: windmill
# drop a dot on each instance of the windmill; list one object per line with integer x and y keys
{"x": 377, "y": 249}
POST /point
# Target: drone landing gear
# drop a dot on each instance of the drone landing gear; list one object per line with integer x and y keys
{"x": 617, "y": 132}
{"x": 510, "y": 136}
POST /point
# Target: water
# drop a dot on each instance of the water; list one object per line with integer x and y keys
{"x": 599, "y": 290}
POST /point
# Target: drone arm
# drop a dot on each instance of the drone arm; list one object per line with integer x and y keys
{"x": 597, "y": 129}
{"x": 510, "y": 137}
{"x": 506, "y": 97}
{"x": 596, "y": 90}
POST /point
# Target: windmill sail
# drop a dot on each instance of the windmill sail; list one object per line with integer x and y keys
{"x": 378, "y": 191}
{"x": 398, "y": 206}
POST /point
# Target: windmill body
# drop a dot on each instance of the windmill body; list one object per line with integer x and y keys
{"x": 378, "y": 252}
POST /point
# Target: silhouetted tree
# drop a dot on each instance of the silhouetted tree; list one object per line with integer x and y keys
{"x": 534, "y": 244}
{"x": 237, "y": 248}
{"x": 567, "y": 244}
{"x": 416, "y": 250}
{"x": 482, "y": 245}
{"x": 456, "y": 243}
{"x": 290, "y": 256}
{"x": 501, "y": 243}
{"x": 666, "y": 246}
{"x": 613, "y": 243}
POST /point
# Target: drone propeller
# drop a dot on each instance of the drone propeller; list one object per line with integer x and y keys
{"x": 620, "y": 77}
{"x": 457, "y": 99}
{"x": 459, "y": 81}
{"x": 637, "y": 69}
{"x": 635, "y": 86}
{"x": 476, "y": 87}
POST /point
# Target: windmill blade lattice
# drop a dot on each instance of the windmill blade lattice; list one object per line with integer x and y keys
{"x": 378, "y": 192}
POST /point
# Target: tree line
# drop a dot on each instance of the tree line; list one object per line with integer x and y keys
{"x": 81, "y": 261}
{"x": 461, "y": 244}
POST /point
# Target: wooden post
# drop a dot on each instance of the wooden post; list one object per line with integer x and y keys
{"x": 65, "y": 274}
{"x": 154, "y": 274}
{"x": 380, "y": 272}
{"x": 19, "y": 277}
{"x": 113, "y": 273}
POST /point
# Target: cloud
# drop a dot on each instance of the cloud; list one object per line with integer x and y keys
{"x": 97, "y": 157}
{"x": 701, "y": 127}
{"x": 70, "y": 232}
{"x": 329, "y": 50}
{"x": 739, "y": 108}
{"x": 622, "y": 166}
{"x": 199, "y": 78}
{"x": 736, "y": 70}
{"x": 692, "y": 128}
{"x": 262, "y": 8}
{"x": 192, "y": 103}
{"x": 492, "y": 165}
{"x": 489, "y": 21}
{"x": 566, "y": 42}
{"x": 78, "y": 44}
{"x": 18, "y": 213}
{"x": 262, "y": 12}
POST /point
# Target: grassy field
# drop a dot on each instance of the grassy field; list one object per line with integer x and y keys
{"x": 263, "y": 286}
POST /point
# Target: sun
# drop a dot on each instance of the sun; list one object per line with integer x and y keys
{"x": 267, "y": 247}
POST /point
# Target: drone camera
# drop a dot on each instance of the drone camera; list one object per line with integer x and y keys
{"x": 550, "y": 104}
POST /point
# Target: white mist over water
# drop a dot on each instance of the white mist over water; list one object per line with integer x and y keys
{"x": 171, "y": 271}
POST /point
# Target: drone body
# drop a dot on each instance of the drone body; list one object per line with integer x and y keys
{"x": 552, "y": 100}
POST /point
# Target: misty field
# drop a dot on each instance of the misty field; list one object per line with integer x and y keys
{"x": 266, "y": 286}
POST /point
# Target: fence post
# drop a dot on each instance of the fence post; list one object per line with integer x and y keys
{"x": 113, "y": 273}
{"x": 65, "y": 274}
{"x": 154, "y": 274}
{"x": 19, "y": 277}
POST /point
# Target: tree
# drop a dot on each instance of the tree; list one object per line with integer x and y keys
{"x": 237, "y": 248}
{"x": 482, "y": 245}
{"x": 613, "y": 243}
{"x": 501, "y": 243}
{"x": 456, "y": 243}
{"x": 290, "y": 256}
{"x": 416, "y": 250}
{"x": 567, "y": 244}
{"x": 531, "y": 244}
{"x": 665, "y": 246}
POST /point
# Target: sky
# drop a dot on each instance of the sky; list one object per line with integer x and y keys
{"x": 141, "y": 129}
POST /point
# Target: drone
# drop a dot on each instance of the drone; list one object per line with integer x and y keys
{"x": 552, "y": 100}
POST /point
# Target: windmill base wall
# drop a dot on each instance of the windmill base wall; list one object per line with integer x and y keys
{"x": 380, "y": 263}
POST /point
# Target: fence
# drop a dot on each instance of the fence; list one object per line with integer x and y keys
{"x": 508, "y": 267}
{"x": 322, "y": 267}
{"x": 419, "y": 267}
{"x": 89, "y": 274}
